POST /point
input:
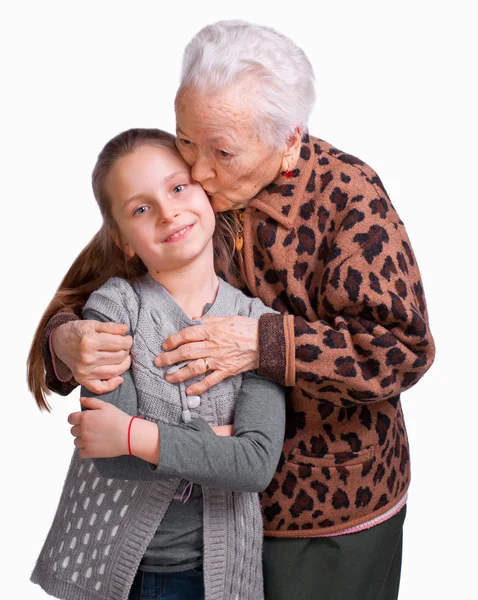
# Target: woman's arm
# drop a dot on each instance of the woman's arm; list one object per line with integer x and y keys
{"x": 369, "y": 341}
{"x": 372, "y": 340}
{"x": 58, "y": 376}
{"x": 94, "y": 353}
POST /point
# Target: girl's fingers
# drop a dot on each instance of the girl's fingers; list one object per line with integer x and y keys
{"x": 98, "y": 386}
{"x": 75, "y": 431}
{"x": 93, "y": 403}
{"x": 74, "y": 418}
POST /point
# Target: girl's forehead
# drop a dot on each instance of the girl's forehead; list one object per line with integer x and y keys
{"x": 151, "y": 155}
{"x": 146, "y": 166}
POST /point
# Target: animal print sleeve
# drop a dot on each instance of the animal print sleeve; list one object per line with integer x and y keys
{"x": 372, "y": 339}
{"x": 56, "y": 373}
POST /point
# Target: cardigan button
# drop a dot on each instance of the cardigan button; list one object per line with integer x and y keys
{"x": 186, "y": 415}
{"x": 194, "y": 401}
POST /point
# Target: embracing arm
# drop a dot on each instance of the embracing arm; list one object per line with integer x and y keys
{"x": 58, "y": 377}
{"x": 372, "y": 340}
{"x": 93, "y": 352}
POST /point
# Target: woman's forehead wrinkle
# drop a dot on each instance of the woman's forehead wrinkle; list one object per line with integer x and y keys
{"x": 218, "y": 116}
{"x": 234, "y": 112}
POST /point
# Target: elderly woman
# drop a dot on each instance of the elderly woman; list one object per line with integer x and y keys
{"x": 316, "y": 238}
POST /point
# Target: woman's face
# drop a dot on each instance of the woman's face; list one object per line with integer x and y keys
{"x": 163, "y": 215}
{"x": 216, "y": 137}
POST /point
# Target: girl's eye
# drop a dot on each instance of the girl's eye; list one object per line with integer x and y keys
{"x": 141, "y": 210}
{"x": 178, "y": 189}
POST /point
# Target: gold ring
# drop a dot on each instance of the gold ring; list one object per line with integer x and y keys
{"x": 207, "y": 364}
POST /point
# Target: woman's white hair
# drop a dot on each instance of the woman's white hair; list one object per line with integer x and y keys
{"x": 226, "y": 52}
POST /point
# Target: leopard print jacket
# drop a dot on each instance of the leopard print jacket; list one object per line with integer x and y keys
{"x": 327, "y": 249}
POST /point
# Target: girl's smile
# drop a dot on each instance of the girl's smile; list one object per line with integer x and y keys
{"x": 179, "y": 234}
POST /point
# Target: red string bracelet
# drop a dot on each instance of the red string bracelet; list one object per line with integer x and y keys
{"x": 129, "y": 433}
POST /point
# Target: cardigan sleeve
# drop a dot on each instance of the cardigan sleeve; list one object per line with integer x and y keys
{"x": 244, "y": 462}
{"x": 372, "y": 340}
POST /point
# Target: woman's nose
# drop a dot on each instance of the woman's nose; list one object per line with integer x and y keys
{"x": 201, "y": 169}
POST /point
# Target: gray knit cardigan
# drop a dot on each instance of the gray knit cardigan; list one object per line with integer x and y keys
{"x": 102, "y": 527}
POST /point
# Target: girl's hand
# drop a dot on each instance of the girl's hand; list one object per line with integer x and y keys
{"x": 223, "y": 430}
{"x": 96, "y": 353}
{"x": 101, "y": 432}
{"x": 230, "y": 346}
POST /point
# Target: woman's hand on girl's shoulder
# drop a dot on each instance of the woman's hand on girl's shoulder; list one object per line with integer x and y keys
{"x": 97, "y": 353}
{"x": 102, "y": 431}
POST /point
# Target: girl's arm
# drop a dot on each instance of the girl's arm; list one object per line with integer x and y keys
{"x": 112, "y": 426}
{"x": 244, "y": 462}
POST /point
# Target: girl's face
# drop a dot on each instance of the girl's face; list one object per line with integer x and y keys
{"x": 164, "y": 216}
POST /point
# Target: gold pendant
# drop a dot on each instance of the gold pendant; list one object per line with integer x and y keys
{"x": 239, "y": 242}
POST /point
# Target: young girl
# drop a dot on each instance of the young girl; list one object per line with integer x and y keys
{"x": 136, "y": 526}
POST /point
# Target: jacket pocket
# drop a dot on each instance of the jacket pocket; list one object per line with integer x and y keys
{"x": 345, "y": 458}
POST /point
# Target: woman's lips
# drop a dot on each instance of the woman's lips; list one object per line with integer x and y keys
{"x": 179, "y": 235}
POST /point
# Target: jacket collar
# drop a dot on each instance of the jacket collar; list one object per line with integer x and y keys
{"x": 282, "y": 198}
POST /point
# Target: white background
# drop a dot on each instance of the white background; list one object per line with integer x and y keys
{"x": 395, "y": 87}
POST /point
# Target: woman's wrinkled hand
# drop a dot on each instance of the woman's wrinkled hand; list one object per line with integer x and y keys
{"x": 101, "y": 432}
{"x": 96, "y": 353}
{"x": 222, "y": 346}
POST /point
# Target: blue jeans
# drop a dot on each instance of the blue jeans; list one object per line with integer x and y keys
{"x": 186, "y": 585}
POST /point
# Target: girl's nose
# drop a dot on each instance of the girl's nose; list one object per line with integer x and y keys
{"x": 167, "y": 213}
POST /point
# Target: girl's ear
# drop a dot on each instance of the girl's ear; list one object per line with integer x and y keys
{"x": 292, "y": 150}
{"x": 122, "y": 243}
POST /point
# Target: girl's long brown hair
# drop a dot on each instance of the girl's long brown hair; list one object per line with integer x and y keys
{"x": 102, "y": 258}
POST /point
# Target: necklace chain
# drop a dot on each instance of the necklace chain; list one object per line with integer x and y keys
{"x": 239, "y": 243}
